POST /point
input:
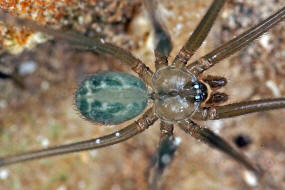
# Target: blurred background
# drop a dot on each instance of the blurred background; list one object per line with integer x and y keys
{"x": 37, "y": 107}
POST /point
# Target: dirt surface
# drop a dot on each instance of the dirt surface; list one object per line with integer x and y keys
{"x": 43, "y": 113}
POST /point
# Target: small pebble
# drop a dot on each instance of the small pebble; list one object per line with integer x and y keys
{"x": 27, "y": 67}
{"x": 4, "y": 174}
{"x": 242, "y": 141}
{"x": 62, "y": 187}
{"x": 44, "y": 141}
{"x": 45, "y": 85}
{"x": 250, "y": 178}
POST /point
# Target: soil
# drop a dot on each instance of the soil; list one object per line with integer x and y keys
{"x": 43, "y": 113}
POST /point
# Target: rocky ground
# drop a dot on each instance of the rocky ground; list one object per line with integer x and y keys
{"x": 42, "y": 113}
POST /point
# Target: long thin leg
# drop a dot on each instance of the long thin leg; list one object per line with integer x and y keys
{"x": 163, "y": 45}
{"x": 14, "y": 77}
{"x": 131, "y": 130}
{"x": 237, "y": 109}
{"x": 95, "y": 44}
{"x": 165, "y": 154}
{"x": 210, "y": 138}
{"x": 199, "y": 35}
{"x": 236, "y": 44}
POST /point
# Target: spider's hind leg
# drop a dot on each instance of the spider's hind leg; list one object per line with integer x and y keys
{"x": 163, "y": 45}
{"x": 164, "y": 155}
{"x": 95, "y": 44}
{"x": 137, "y": 127}
{"x": 18, "y": 80}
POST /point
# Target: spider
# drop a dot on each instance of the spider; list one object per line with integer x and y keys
{"x": 178, "y": 92}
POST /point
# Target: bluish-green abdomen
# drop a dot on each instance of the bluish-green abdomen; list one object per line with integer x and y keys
{"x": 111, "y": 97}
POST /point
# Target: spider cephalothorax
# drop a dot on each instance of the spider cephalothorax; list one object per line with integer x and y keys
{"x": 179, "y": 91}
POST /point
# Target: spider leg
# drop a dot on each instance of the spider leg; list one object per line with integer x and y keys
{"x": 199, "y": 35}
{"x": 236, "y": 44}
{"x": 131, "y": 130}
{"x": 165, "y": 154}
{"x": 210, "y": 138}
{"x": 163, "y": 45}
{"x": 95, "y": 44}
{"x": 237, "y": 109}
{"x": 14, "y": 77}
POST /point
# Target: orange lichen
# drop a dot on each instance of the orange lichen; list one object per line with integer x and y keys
{"x": 42, "y": 11}
{"x": 7, "y": 4}
{"x": 20, "y": 35}
{"x": 15, "y": 39}
{"x": 59, "y": 14}
{"x": 38, "y": 10}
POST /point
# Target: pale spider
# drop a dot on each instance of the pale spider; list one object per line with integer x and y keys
{"x": 178, "y": 91}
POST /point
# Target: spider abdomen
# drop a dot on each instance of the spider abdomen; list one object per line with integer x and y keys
{"x": 111, "y": 97}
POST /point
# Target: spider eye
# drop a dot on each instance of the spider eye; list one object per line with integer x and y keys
{"x": 111, "y": 97}
{"x": 200, "y": 91}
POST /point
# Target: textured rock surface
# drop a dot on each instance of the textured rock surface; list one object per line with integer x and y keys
{"x": 43, "y": 114}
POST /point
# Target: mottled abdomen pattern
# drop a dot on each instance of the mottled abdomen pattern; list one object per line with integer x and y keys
{"x": 111, "y": 97}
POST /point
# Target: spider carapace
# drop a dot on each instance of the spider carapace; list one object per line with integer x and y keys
{"x": 177, "y": 94}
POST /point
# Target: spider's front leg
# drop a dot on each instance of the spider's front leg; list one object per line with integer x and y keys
{"x": 164, "y": 154}
{"x": 237, "y": 109}
{"x": 236, "y": 44}
{"x": 131, "y": 130}
{"x": 199, "y": 35}
{"x": 210, "y": 138}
